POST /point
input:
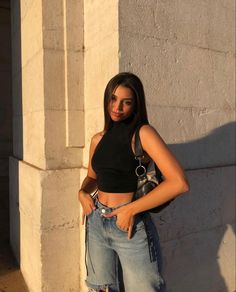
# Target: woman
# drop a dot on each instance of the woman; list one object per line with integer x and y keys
{"x": 118, "y": 228}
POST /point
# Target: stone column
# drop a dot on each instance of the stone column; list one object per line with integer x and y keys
{"x": 48, "y": 138}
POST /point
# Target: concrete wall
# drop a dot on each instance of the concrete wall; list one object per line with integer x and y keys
{"x": 197, "y": 233}
{"x": 184, "y": 53}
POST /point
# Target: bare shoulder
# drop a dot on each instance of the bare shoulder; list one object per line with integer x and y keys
{"x": 150, "y": 138}
{"x": 96, "y": 138}
{"x": 148, "y": 131}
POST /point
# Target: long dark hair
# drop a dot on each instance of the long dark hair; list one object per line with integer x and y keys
{"x": 132, "y": 82}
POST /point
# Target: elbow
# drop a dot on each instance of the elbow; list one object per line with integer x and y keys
{"x": 184, "y": 185}
{"x": 181, "y": 185}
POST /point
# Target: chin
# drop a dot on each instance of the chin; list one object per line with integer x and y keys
{"x": 117, "y": 118}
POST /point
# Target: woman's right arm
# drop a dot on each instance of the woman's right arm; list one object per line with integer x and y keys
{"x": 89, "y": 184}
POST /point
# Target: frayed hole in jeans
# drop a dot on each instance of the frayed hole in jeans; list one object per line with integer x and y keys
{"x": 98, "y": 290}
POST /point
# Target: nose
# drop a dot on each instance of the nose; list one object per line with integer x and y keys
{"x": 118, "y": 106}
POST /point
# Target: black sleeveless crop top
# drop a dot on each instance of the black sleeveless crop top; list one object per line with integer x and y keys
{"x": 114, "y": 162}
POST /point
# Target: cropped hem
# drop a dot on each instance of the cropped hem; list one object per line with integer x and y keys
{"x": 99, "y": 287}
{"x": 117, "y": 189}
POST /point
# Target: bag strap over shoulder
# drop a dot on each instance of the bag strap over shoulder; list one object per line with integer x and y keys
{"x": 137, "y": 144}
{"x": 139, "y": 155}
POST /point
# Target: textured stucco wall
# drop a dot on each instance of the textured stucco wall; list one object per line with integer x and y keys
{"x": 184, "y": 53}
{"x": 197, "y": 234}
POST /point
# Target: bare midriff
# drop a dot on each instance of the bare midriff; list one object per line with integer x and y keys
{"x": 114, "y": 199}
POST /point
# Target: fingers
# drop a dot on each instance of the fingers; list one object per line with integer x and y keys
{"x": 92, "y": 206}
{"x": 111, "y": 214}
{"x": 85, "y": 214}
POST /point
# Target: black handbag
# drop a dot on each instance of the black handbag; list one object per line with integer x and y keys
{"x": 149, "y": 175}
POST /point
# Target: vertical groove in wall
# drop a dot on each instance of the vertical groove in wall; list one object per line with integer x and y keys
{"x": 73, "y": 70}
{"x": 65, "y": 70}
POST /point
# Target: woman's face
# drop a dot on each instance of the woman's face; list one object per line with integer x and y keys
{"x": 121, "y": 104}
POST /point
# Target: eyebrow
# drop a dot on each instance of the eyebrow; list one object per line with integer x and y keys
{"x": 126, "y": 98}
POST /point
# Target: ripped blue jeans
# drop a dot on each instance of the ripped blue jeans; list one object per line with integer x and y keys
{"x": 139, "y": 257}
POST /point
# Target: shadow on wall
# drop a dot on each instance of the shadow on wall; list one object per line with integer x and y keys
{"x": 214, "y": 150}
{"x": 197, "y": 231}
{"x": 17, "y": 129}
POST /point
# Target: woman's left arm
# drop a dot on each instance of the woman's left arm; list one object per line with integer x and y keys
{"x": 175, "y": 182}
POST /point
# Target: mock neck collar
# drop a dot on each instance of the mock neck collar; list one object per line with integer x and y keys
{"x": 126, "y": 121}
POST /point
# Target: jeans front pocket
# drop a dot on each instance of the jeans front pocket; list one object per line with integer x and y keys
{"x": 138, "y": 225}
{"x": 117, "y": 226}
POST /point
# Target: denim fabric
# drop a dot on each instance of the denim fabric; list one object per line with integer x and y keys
{"x": 139, "y": 256}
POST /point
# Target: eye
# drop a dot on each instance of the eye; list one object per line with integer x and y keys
{"x": 128, "y": 102}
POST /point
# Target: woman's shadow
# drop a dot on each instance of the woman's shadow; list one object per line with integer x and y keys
{"x": 197, "y": 230}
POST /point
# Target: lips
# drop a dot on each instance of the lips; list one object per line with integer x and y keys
{"x": 118, "y": 115}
